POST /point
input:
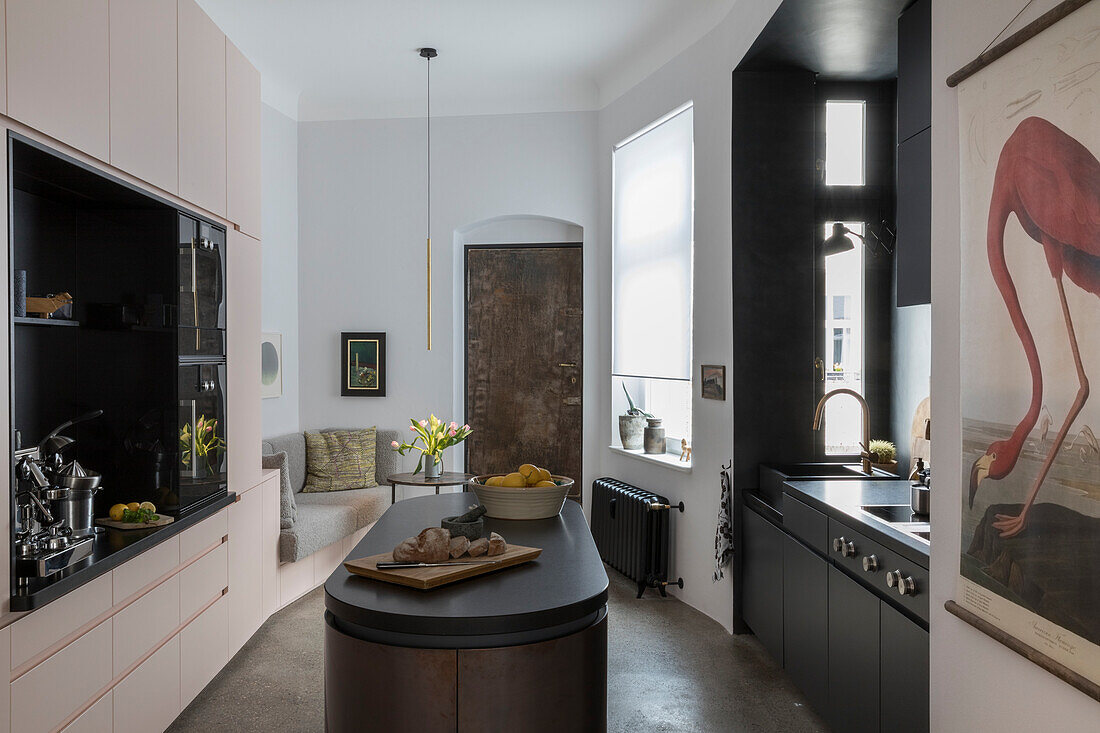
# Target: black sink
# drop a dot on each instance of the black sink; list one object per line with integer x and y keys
{"x": 773, "y": 475}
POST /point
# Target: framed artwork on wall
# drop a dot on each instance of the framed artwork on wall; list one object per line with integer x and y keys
{"x": 362, "y": 364}
{"x": 1029, "y": 566}
{"x": 271, "y": 365}
{"x": 714, "y": 381}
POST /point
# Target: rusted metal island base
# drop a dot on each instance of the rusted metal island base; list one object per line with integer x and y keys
{"x": 557, "y": 685}
{"x": 523, "y": 649}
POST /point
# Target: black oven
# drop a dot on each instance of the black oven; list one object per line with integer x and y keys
{"x": 201, "y": 439}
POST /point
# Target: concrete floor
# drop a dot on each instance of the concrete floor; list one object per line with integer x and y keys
{"x": 670, "y": 668}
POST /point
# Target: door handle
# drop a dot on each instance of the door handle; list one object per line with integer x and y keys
{"x": 819, "y": 366}
{"x": 571, "y": 364}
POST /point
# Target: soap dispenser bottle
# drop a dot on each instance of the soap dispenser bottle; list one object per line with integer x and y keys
{"x": 917, "y": 471}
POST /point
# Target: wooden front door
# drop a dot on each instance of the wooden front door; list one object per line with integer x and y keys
{"x": 524, "y": 358}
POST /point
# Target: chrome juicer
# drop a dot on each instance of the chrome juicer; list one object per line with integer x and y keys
{"x": 53, "y": 525}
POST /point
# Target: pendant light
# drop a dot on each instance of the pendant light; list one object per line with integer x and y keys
{"x": 428, "y": 54}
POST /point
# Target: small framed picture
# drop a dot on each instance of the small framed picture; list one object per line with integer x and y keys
{"x": 362, "y": 364}
{"x": 714, "y": 381}
{"x": 271, "y": 365}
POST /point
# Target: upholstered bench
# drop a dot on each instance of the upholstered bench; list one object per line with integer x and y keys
{"x": 326, "y": 520}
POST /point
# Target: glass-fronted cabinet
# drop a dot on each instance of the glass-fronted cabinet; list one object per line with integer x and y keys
{"x": 201, "y": 432}
{"x": 201, "y": 287}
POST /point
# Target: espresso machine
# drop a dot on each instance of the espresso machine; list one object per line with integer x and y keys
{"x": 54, "y": 527}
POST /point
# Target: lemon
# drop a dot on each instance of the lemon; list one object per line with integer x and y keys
{"x": 544, "y": 475}
{"x": 543, "y": 484}
{"x": 494, "y": 481}
{"x": 148, "y": 505}
{"x": 133, "y": 506}
{"x": 530, "y": 473}
{"x": 116, "y": 512}
{"x": 514, "y": 481}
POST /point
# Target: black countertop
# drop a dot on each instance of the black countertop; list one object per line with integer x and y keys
{"x": 842, "y": 500}
{"x": 562, "y": 591}
{"x": 112, "y": 548}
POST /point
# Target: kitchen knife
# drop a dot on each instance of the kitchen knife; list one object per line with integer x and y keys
{"x": 395, "y": 564}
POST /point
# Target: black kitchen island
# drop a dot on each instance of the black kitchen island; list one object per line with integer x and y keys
{"x": 524, "y": 648}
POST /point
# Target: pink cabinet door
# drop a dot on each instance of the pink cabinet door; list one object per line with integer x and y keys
{"x": 143, "y": 91}
{"x": 148, "y": 699}
{"x": 201, "y": 76}
{"x": 242, "y": 98}
{"x": 245, "y": 568}
{"x": 243, "y": 361}
{"x": 59, "y": 70}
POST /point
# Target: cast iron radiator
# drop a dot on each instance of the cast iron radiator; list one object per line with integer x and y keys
{"x": 630, "y": 526}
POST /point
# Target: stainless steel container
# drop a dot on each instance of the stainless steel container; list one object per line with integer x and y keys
{"x": 79, "y": 513}
{"x": 920, "y": 499}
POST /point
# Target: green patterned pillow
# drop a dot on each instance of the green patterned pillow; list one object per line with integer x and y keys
{"x": 340, "y": 460}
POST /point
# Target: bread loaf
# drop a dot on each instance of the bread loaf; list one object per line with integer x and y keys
{"x": 431, "y": 545}
{"x": 478, "y": 547}
{"x": 497, "y": 545}
{"x": 459, "y": 545}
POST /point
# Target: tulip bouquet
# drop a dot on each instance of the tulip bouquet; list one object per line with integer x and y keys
{"x": 432, "y": 437}
{"x": 204, "y": 444}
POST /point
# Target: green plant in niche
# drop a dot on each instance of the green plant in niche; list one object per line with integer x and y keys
{"x": 633, "y": 409}
{"x": 882, "y": 451}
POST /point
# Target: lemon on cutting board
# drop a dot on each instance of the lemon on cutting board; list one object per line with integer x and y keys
{"x": 116, "y": 512}
{"x": 148, "y": 505}
{"x": 133, "y": 506}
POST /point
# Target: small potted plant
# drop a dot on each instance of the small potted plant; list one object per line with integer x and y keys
{"x": 883, "y": 455}
{"x": 632, "y": 424}
{"x": 436, "y": 436}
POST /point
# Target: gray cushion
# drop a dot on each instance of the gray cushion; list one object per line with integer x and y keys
{"x": 288, "y": 510}
{"x": 318, "y": 526}
{"x": 294, "y": 445}
{"x": 367, "y": 503}
{"x": 326, "y": 518}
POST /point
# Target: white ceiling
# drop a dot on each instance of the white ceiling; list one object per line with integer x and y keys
{"x": 349, "y": 59}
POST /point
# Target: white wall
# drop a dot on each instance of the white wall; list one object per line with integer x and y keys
{"x": 977, "y": 684}
{"x": 279, "y": 211}
{"x": 361, "y": 259}
{"x": 703, "y": 74}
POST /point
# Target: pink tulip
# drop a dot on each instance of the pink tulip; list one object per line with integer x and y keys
{"x": 393, "y": 443}
{"x": 454, "y": 425}
{"x": 466, "y": 427}
{"x": 423, "y": 423}
{"x": 452, "y": 433}
{"x": 412, "y": 428}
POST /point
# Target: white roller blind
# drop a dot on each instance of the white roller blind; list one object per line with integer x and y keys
{"x": 652, "y": 222}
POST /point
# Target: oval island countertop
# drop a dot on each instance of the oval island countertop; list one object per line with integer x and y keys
{"x": 561, "y": 592}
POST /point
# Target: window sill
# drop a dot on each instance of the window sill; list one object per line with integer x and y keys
{"x": 668, "y": 460}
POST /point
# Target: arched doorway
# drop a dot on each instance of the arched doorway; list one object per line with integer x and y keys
{"x": 523, "y": 356}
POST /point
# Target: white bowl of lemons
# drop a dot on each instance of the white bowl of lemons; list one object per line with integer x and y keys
{"x": 527, "y": 493}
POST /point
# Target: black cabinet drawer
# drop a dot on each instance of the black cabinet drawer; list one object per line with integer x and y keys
{"x": 806, "y": 523}
{"x": 914, "y": 69}
{"x": 875, "y": 566}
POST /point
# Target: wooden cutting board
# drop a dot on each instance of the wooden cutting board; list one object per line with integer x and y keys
{"x": 106, "y": 522}
{"x": 428, "y": 578}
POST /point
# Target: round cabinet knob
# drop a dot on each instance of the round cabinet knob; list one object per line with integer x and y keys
{"x": 893, "y": 577}
{"x": 906, "y": 585}
{"x": 849, "y": 549}
{"x": 870, "y": 563}
{"x": 838, "y": 542}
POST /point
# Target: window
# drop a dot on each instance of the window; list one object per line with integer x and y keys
{"x": 844, "y": 136}
{"x": 652, "y": 245}
{"x": 844, "y": 344}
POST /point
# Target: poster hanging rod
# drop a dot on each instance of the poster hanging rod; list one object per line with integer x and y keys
{"x": 1026, "y": 33}
{"x": 1035, "y": 656}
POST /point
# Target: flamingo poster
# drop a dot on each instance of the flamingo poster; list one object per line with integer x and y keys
{"x": 1029, "y": 141}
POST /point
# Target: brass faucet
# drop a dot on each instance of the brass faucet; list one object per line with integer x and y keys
{"x": 865, "y": 455}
